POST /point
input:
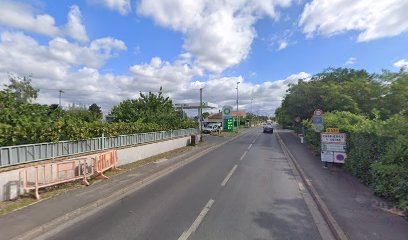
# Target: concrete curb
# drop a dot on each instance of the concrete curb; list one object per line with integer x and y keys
{"x": 337, "y": 232}
{"x": 74, "y": 216}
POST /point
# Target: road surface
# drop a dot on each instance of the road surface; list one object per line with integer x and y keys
{"x": 245, "y": 189}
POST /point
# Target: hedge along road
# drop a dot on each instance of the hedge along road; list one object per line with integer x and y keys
{"x": 221, "y": 195}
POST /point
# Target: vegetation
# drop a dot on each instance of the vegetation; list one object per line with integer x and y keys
{"x": 372, "y": 109}
{"x": 24, "y": 122}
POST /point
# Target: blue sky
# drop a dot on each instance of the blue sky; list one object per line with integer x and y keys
{"x": 109, "y": 50}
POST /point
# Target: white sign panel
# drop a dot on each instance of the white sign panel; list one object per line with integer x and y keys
{"x": 327, "y": 156}
{"x": 334, "y": 147}
{"x": 333, "y": 138}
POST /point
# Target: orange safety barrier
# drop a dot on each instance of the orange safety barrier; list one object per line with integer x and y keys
{"x": 105, "y": 161}
{"x": 51, "y": 174}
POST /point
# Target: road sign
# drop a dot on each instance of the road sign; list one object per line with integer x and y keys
{"x": 318, "y": 112}
{"x": 332, "y": 130}
{"x": 333, "y": 138}
{"x": 317, "y": 120}
{"x": 298, "y": 119}
{"x": 317, "y": 127}
{"x": 339, "y": 157}
{"x": 327, "y": 156}
{"x": 333, "y": 147}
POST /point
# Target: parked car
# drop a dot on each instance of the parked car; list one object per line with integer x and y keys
{"x": 268, "y": 129}
{"x": 211, "y": 128}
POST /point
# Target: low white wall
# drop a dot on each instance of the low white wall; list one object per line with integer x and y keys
{"x": 10, "y": 181}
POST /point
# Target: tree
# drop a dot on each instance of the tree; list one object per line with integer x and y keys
{"x": 148, "y": 108}
{"x": 95, "y": 111}
{"x": 206, "y": 114}
{"x": 21, "y": 89}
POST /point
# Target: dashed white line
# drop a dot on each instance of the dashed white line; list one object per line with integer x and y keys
{"x": 250, "y": 145}
{"x": 197, "y": 221}
{"x": 229, "y": 175}
{"x": 243, "y": 155}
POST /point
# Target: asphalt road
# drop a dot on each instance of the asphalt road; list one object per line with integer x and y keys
{"x": 243, "y": 190}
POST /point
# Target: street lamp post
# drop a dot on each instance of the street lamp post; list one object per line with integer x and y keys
{"x": 237, "y": 107}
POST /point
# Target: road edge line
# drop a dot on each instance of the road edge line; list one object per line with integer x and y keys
{"x": 81, "y": 213}
{"x": 337, "y": 231}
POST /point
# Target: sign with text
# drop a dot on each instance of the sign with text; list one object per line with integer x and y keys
{"x": 333, "y": 138}
{"x": 332, "y": 130}
{"x": 333, "y": 146}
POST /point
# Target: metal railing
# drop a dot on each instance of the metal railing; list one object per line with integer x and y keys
{"x": 18, "y": 154}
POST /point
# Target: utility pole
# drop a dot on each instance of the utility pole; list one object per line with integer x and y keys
{"x": 252, "y": 114}
{"x": 201, "y": 109}
{"x": 60, "y": 94}
{"x": 237, "y": 107}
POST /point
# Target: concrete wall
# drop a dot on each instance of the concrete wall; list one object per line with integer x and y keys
{"x": 10, "y": 181}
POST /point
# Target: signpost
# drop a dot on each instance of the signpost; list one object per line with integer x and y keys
{"x": 333, "y": 146}
{"x": 228, "y": 121}
{"x": 317, "y": 125}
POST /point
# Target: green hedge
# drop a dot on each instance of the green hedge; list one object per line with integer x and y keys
{"x": 377, "y": 151}
{"x": 35, "y": 132}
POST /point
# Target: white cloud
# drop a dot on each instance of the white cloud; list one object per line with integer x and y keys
{"x": 122, "y": 6}
{"x": 403, "y": 63}
{"x": 372, "y": 19}
{"x": 60, "y": 64}
{"x": 75, "y": 28}
{"x": 350, "y": 61}
{"x": 218, "y": 34}
{"x": 150, "y": 76}
{"x": 23, "y": 16}
{"x": 282, "y": 45}
{"x": 267, "y": 96}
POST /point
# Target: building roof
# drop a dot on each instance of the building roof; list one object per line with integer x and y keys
{"x": 215, "y": 116}
{"x": 240, "y": 113}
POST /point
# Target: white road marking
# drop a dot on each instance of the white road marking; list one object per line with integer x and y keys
{"x": 250, "y": 145}
{"x": 243, "y": 155}
{"x": 229, "y": 175}
{"x": 197, "y": 221}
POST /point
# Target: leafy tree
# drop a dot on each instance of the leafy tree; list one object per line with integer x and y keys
{"x": 95, "y": 111}
{"x": 206, "y": 114}
{"x": 148, "y": 108}
{"x": 21, "y": 89}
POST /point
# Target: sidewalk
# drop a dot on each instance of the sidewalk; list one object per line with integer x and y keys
{"x": 36, "y": 216}
{"x": 353, "y": 205}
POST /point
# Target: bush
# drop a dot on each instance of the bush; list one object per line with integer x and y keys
{"x": 69, "y": 129}
{"x": 377, "y": 151}
{"x": 391, "y": 181}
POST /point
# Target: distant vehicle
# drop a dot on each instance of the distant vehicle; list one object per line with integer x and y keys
{"x": 268, "y": 121}
{"x": 211, "y": 128}
{"x": 268, "y": 129}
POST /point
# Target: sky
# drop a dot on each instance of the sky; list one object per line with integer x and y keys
{"x": 106, "y": 51}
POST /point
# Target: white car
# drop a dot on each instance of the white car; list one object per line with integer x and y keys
{"x": 210, "y": 128}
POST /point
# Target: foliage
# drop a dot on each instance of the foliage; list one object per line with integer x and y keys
{"x": 81, "y": 112}
{"x": 22, "y": 122}
{"x": 206, "y": 114}
{"x": 96, "y": 111}
{"x": 148, "y": 108}
{"x": 21, "y": 89}
{"x": 372, "y": 109}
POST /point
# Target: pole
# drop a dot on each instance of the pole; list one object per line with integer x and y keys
{"x": 201, "y": 109}
{"x": 237, "y": 107}
{"x": 60, "y": 93}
